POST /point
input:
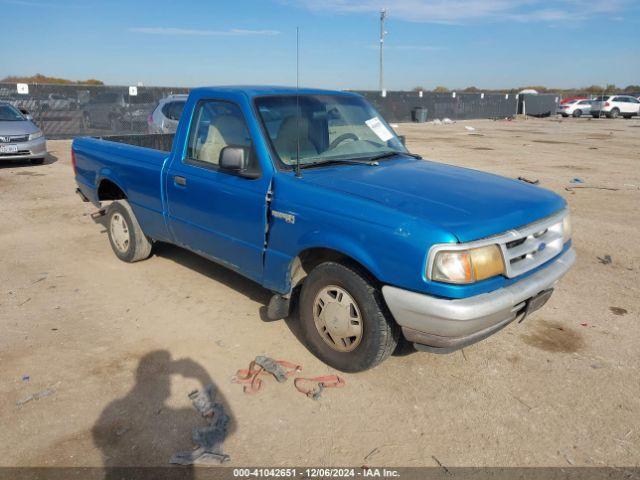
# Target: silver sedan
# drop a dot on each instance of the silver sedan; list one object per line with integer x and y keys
{"x": 20, "y": 139}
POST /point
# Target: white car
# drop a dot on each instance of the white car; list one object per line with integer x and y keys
{"x": 575, "y": 108}
{"x": 614, "y": 106}
{"x": 165, "y": 117}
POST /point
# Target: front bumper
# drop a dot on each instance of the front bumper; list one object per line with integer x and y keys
{"x": 27, "y": 150}
{"x": 447, "y": 325}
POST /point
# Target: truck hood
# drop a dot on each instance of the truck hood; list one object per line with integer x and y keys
{"x": 17, "y": 128}
{"x": 468, "y": 203}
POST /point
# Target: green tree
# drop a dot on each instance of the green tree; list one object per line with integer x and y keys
{"x": 440, "y": 89}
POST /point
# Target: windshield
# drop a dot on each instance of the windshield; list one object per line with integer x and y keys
{"x": 329, "y": 127}
{"x": 8, "y": 113}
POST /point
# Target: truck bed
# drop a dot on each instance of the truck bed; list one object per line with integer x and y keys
{"x": 155, "y": 141}
{"x": 134, "y": 164}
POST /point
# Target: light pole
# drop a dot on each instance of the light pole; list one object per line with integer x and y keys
{"x": 383, "y": 15}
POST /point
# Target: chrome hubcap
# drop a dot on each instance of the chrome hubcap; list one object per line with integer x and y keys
{"x": 337, "y": 318}
{"x": 119, "y": 232}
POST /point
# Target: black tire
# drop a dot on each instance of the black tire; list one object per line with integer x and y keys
{"x": 380, "y": 333}
{"x": 614, "y": 113}
{"x": 36, "y": 161}
{"x": 137, "y": 246}
{"x": 577, "y": 113}
{"x": 627, "y": 117}
{"x": 564, "y": 115}
{"x": 595, "y": 115}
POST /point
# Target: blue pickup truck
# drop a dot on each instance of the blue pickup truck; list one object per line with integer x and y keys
{"x": 313, "y": 195}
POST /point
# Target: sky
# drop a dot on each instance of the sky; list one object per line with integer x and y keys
{"x": 454, "y": 43}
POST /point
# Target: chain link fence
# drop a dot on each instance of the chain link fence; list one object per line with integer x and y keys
{"x": 67, "y": 111}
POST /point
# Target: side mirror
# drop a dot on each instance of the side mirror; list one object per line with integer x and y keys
{"x": 403, "y": 139}
{"x": 236, "y": 160}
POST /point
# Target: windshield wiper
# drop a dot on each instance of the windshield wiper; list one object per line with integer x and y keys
{"x": 384, "y": 155}
{"x": 370, "y": 162}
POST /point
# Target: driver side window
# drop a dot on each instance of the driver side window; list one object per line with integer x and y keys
{"x": 216, "y": 125}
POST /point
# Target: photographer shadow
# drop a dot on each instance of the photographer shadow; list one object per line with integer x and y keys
{"x": 141, "y": 430}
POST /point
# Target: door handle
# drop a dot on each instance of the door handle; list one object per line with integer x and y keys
{"x": 178, "y": 180}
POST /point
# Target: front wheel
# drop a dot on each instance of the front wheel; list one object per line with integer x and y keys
{"x": 127, "y": 239}
{"x": 344, "y": 319}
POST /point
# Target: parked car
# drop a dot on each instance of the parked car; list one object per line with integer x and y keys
{"x": 55, "y": 101}
{"x": 311, "y": 194}
{"x": 117, "y": 111}
{"x": 613, "y": 106}
{"x": 165, "y": 117}
{"x": 571, "y": 99}
{"x": 20, "y": 139}
{"x": 575, "y": 108}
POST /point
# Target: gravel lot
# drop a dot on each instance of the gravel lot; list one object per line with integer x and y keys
{"x": 116, "y": 347}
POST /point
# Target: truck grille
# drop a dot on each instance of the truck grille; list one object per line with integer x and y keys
{"x": 14, "y": 138}
{"x": 532, "y": 245}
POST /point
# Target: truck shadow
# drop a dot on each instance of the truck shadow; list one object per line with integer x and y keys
{"x": 48, "y": 160}
{"x": 213, "y": 271}
{"x": 141, "y": 429}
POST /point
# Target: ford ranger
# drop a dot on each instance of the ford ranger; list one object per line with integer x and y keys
{"x": 313, "y": 195}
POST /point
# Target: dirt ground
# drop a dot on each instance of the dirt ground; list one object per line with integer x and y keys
{"x": 117, "y": 347}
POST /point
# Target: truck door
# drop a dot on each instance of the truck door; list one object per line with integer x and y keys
{"x": 210, "y": 211}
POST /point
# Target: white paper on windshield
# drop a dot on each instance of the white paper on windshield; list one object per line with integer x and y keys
{"x": 379, "y": 129}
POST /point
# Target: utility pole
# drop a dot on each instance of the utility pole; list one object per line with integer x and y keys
{"x": 383, "y": 15}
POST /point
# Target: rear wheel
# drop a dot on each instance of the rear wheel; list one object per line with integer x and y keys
{"x": 615, "y": 113}
{"x": 344, "y": 319}
{"x": 595, "y": 115}
{"x": 577, "y": 113}
{"x": 127, "y": 239}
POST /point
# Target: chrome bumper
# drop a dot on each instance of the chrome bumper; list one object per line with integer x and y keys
{"x": 451, "y": 324}
{"x": 27, "y": 150}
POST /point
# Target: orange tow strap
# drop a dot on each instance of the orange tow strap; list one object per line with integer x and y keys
{"x": 251, "y": 376}
{"x": 327, "y": 381}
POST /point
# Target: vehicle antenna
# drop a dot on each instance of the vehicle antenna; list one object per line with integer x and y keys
{"x": 298, "y": 102}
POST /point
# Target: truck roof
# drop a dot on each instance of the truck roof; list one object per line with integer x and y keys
{"x": 262, "y": 90}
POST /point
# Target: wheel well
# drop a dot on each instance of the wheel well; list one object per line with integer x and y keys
{"x": 110, "y": 191}
{"x": 308, "y": 259}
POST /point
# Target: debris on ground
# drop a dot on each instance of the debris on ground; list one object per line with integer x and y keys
{"x": 209, "y": 439}
{"x": 279, "y": 369}
{"x": 571, "y": 189}
{"x": 25, "y": 378}
{"x": 606, "y": 260}
{"x": 436, "y": 121}
{"x": 470, "y": 129}
{"x": 618, "y": 310}
{"x": 22, "y": 303}
{"x": 448, "y": 121}
{"x": 576, "y": 180}
{"x": 314, "y": 393}
{"x": 528, "y": 180}
{"x": 36, "y": 396}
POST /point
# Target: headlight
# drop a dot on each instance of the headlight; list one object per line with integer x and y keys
{"x": 467, "y": 266}
{"x": 566, "y": 228}
{"x": 33, "y": 136}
